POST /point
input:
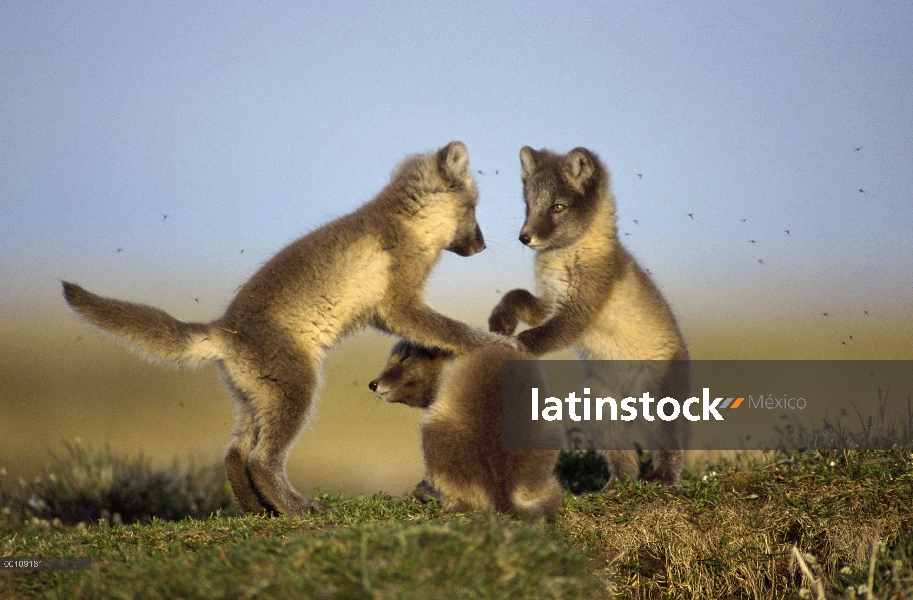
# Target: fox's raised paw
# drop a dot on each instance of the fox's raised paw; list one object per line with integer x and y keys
{"x": 502, "y": 321}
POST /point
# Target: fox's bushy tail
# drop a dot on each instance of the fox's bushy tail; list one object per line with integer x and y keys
{"x": 153, "y": 332}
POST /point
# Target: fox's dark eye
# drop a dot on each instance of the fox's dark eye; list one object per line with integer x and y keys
{"x": 557, "y": 208}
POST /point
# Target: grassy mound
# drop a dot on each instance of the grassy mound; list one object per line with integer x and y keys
{"x": 815, "y": 525}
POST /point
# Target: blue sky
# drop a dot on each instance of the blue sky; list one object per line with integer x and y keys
{"x": 249, "y": 124}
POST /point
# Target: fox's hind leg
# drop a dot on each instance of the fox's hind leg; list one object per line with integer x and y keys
{"x": 667, "y": 466}
{"x": 668, "y": 453}
{"x": 285, "y": 391}
{"x": 624, "y": 465}
{"x": 244, "y": 438}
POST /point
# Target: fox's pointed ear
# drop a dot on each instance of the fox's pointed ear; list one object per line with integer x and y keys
{"x": 579, "y": 167}
{"x": 453, "y": 160}
{"x": 527, "y": 162}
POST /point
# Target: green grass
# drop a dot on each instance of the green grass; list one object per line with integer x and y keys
{"x": 367, "y": 548}
{"x": 728, "y": 532}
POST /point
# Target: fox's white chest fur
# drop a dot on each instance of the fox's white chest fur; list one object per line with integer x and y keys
{"x": 553, "y": 279}
{"x": 634, "y": 323}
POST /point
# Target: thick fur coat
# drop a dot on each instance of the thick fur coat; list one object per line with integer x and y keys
{"x": 366, "y": 268}
{"x": 594, "y": 297}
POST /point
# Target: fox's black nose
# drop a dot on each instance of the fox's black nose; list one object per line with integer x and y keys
{"x": 524, "y": 239}
{"x": 372, "y": 385}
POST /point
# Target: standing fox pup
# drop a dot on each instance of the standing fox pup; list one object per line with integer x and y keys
{"x": 461, "y": 430}
{"x": 595, "y": 297}
{"x": 366, "y": 268}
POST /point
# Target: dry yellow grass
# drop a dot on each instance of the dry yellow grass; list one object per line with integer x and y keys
{"x": 731, "y": 534}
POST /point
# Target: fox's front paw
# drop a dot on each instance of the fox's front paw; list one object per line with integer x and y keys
{"x": 503, "y": 321}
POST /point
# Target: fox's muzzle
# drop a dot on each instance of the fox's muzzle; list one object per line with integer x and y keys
{"x": 529, "y": 236}
{"x": 469, "y": 244}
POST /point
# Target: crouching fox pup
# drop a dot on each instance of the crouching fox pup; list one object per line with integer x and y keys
{"x": 365, "y": 268}
{"x": 594, "y": 297}
{"x": 461, "y": 430}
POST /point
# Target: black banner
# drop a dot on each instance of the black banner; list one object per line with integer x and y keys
{"x": 707, "y": 405}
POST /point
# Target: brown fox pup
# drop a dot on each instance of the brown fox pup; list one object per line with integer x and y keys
{"x": 461, "y": 430}
{"x": 595, "y": 297}
{"x": 366, "y": 268}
